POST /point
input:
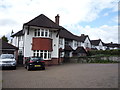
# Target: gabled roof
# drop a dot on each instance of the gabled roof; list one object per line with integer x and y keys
{"x": 19, "y": 33}
{"x": 80, "y": 50}
{"x": 42, "y": 21}
{"x": 83, "y": 37}
{"x": 64, "y": 33}
{"x": 113, "y": 45}
{"x": 68, "y": 48}
{"x": 7, "y": 46}
{"x": 96, "y": 42}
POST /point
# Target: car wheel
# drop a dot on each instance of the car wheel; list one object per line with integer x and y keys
{"x": 28, "y": 68}
{"x": 43, "y": 68}
{"x": 14, "y": 67}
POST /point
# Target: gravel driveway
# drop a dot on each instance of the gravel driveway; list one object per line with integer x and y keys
{"x": 64, "y": 76}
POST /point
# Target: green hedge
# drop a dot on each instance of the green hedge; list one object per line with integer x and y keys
{"x": 104, "y": 52}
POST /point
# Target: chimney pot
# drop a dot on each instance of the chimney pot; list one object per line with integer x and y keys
{"x": 57, "y": 19}
{"x": 82, "y": 35}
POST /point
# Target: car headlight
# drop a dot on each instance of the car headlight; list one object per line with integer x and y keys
{"x": 13, "y": 62}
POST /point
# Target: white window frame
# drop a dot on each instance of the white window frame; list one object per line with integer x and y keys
{"x": 48, "y": 53}
{"x": 44, "y": 31}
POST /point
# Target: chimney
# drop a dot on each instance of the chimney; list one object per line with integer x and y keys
{"x": 82, "y": 35}
{"x": 57, "y": 19}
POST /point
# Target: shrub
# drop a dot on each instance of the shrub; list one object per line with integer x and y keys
{"x": 104, "y": 52}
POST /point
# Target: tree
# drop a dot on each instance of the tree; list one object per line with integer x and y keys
{"x": 5, "y": 38}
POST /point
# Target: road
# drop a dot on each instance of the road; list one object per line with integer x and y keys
{"x": 63, "y": 76}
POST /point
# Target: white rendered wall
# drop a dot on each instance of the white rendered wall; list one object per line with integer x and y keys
{"x": 28, "y": 43}
{"x": 73, "y": 45}
{"x": 85, "y": 42}
{"x": 55, "y": 45}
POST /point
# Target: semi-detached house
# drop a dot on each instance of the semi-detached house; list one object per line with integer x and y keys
{"x": 47, "y": 39}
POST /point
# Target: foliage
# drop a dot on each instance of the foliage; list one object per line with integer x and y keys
{"x": 115, "y": 52}
{"x": 4, "y": 38}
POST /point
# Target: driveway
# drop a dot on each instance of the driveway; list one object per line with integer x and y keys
{"x": 64, "y": 76}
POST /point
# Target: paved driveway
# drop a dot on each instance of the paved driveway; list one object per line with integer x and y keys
{"x": 64, "y": 76}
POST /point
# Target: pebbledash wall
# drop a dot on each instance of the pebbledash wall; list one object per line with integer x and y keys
{"x": 30, "y": 50}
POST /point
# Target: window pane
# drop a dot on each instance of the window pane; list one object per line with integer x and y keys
{"x": 37, "y": 54}
{"x": 38, "y": 32}
{"x": 41, "y": 55}
{"x": 33, "y": 54}
{"x": 46, "y": 33}
{"x": 45, "y": 55}
{"x": 49, "y": 55}
{"x": 42, "y": 32}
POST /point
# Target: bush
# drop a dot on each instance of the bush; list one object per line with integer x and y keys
{"x": 104, "y": 52}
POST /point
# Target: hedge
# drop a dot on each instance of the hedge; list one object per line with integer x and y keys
{"x": 115, "y": 52}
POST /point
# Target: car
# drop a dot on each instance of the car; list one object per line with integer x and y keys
{"x": 7, "y": 60}
{"x": 34, "y": 63}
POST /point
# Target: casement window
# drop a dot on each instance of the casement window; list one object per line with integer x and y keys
{"x": 42, "y": 33}
{"x": 75, "y": 44}
{"x": 61, "y": 41}
{"x": 46, "y": 55}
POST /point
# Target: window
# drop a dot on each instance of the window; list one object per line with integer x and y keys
{"x": 38, "y": 32}
{"x": 42, "y": 53}
{"x": 42, "y": 32}
{"x": 75, "y": 43}
{"x": 45, "y": 54}
{"x": 46, "y": 33}
{"x": 60, "y": 41}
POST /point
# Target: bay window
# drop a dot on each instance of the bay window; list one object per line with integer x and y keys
{"x": 42, "y": 33}
{"x": 46, "y": 55}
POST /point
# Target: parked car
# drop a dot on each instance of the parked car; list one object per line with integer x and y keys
{"x": 7, "y": 60}
{"x": 34, "y": 63}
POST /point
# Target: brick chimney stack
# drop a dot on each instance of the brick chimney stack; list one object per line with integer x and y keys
{"x": 57, "y": 19}
{"x": 82, "y": 34}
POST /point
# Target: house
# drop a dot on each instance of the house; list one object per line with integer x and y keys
{"x": 7, "y": 48}
{"x": 18, "y": 41}
{"x": 98, "y": 45}
{"x": 69, "y": 43}
{"x": 47, "y": 39}
{"x": 85, "y": 42}
{"x": 112, "y": 46}
{"x": 80, "y": 51}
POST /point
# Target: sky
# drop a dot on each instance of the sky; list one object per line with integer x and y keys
{"x": 96, "y": 18}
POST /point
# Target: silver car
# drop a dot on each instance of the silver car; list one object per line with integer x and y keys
{"x": 7, "y": 60}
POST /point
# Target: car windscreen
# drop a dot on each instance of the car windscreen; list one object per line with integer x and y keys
{"x": 36, "y": 59}
{"x": 6, "y": 56}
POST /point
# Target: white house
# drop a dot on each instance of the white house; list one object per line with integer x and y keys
{"x": 98, "y": 44}
{"x": 47, "y": 39}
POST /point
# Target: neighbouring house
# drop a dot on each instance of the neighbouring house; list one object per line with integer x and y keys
{"x": 98, "y": 45}
{"x": 112, "y": 45}
{"x": 47, "y": 39}
{"x": 7, "y": 48}
{"x": 80, "y": 51}
{"x": 69, "y": 43}
{"x": 17, "y": 41}
{"x": 85, "y": 42}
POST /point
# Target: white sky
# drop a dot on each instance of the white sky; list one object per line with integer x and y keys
{"x": 13, "y": 13}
